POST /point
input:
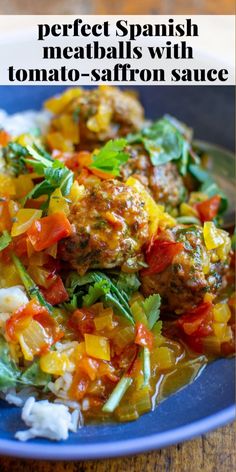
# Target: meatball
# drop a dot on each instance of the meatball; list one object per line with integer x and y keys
{"x": 192, "y": 272}
{"x": 110, "y": 227}
{"x": 101, "y": 114}
{"x": 164, "y": 182}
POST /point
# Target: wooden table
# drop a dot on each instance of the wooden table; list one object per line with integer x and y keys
{"x": 209, "y": 453}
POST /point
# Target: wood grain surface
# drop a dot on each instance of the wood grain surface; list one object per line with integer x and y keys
{"x": 138, "y": 7}
{"x": 209, "y": 453}
{"x": 214, "y": 452}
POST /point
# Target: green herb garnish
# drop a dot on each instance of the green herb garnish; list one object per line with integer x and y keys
{"x": 55, "y": 173}
{"x": 111, "y": 157}
{"x": 95, "y": 286}
{"x": 12, "y": 376}
{"x": 5, "y": 240}
{"x": 31, "y": 288}
{"x": 164, "y": 143}
{"x": 151, "y": 307}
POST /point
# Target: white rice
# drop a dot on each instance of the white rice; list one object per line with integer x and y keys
{"x": 24, "y": 122}
{"x": 47, "y": 420}
{"x": 61, "y": 386}
{"x": 18, "y": 398}
{"x": 12, "y": 298}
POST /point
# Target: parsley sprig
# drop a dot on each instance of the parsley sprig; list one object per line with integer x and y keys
{"x": 111, "y": 157}
{"x": 55, "y": 173}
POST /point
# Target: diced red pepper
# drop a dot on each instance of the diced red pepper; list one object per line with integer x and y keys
{"x": 20, "y": 245}
{"x": 4, "y": 137}
{"x": 144, "y": 336}
{"x": 56, "y": 293}
{"x": 22, "y": 317}
{"x": 73, "y": 160}
{"x": 195, "y": 343}
{"x": 208, "y": 209}
{"x": 50, "y": 325}
{"x": 48, "y": 230}
{"x": 82, "y": 321}
{"x": 5, "y": 216}
{"x": 126, "y": 358}
{"x": 160, "y": 255}
{"x": 79, "y": 385}
{"x": 197, "y": 322}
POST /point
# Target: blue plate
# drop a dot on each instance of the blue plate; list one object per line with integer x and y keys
{"x": 201, "y": 406}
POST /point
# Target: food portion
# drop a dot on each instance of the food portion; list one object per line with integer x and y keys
{"x": 163, "y": 182}
{"x": 184, "y": 263}
{"x": 117, "y": 277}
{"x": 89, "y": 117}
{"x": 110, "y": 227}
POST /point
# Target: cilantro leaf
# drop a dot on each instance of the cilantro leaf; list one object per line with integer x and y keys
{"x": 14, "y": 155}
{"x": 151, "y": 307}
{"x": 56, "y": 174}
{"x": 11, "y": 375}
{"x": 5, "y": 240}
{"x": 111, "y": 157}
{"x": 98, "y": 286}
{"x": 33, "y": 375}
{"x": 41, "y": 160}
{"x": 8, "y": 370}
{"x": 96, "y": 291}
{"x": 128, "y": 283}
{"x": 164, "y": 143}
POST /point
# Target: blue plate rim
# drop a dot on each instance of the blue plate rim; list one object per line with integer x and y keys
{"x": 118, "y": 448}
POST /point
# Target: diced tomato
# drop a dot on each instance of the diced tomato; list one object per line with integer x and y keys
{"x": 197, "y": 322}
{"x": 95, "y": 403}
{"x": 99, "y": 173}
{"x": 56, "y": 293}
{"x": 22, "y": 317}
{"x": 135, "y": 368}
{"x": 20, "y": 245}
{"x": 50, "y": 325}
{"x": 232, "y": 260}
{"x": 83, "y": 175}
{"x": 208, "y": 209}
{"x": 73, "y": 160}
{"x": 48, "y": 230}
{"x": 82, "y": 321}
{"x": 125, "y": 359}
{"x": 34, "y": 203}
{"x": 84, "y": 158}
{"x": 107, "y": 370}
{"x": 144, "y": 336}
{"x": 89, "y": 366}
{"x": 228, "y": 348}
{"x": 159, "y": 255}
{"x": 5, "y": 216}
{"x": 79, "y": 386}
{"x": 195, "y": 343}
{"x": 4, "y": 137}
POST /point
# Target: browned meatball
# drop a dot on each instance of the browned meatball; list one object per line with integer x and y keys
{"x": 164, "y": 182}
{"x": 102, "y": 114}
{"x": 192, "y": 273}
{"x": 110, "y": 227}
